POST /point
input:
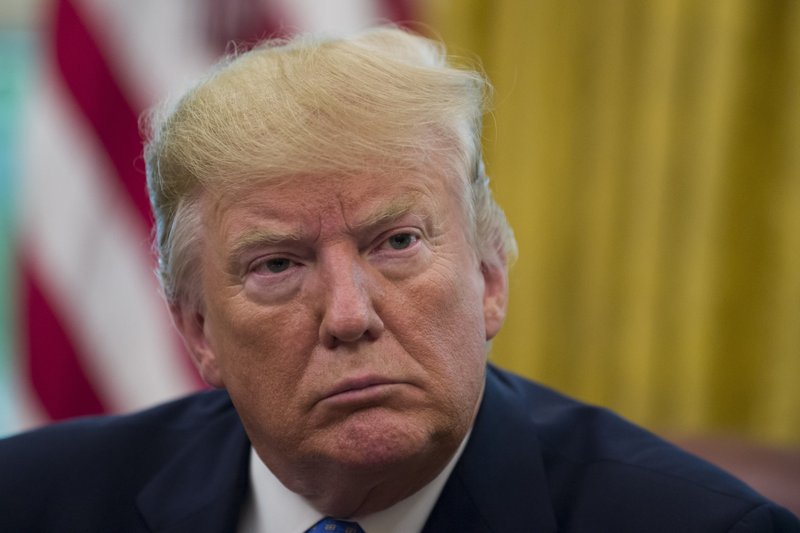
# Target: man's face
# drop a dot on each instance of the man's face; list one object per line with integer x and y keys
{"x": 348, "y": 319}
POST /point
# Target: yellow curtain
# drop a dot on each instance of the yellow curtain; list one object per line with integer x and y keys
{"x": 648, "y": 156}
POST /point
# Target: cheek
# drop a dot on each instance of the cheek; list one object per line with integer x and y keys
{"x": 263, "y": 356}
{"x": 453, "y": 293}
{"x": 443, "y": 315}
{"x": 261, "y": 352}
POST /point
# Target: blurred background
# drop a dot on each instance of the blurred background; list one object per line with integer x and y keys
{"x": 646, "y": 153}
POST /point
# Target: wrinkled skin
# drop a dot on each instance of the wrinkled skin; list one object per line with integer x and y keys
{"x": 348, "y": 318}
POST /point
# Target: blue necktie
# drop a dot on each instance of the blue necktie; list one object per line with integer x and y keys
{"x": 330, "y": 525}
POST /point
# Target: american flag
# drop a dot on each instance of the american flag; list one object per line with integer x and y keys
{"x": 94, "y": 335}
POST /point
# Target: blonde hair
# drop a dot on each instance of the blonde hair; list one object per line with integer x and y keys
{"x": 384, "y": 100}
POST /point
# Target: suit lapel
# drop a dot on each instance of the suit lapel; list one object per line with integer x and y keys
{"x": 499, "y": 483}
{"x": 203, "y": 488}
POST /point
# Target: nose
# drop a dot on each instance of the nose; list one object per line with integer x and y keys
{"x": 349, "y": 314}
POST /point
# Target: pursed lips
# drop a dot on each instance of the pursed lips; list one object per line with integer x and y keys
{"x": 358, "y": 388}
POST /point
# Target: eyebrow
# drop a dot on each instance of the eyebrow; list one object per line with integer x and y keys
{"x": 255, "y": 239}
{"x": 388, "y": 213}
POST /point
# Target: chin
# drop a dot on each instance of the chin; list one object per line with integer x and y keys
{"x": 378, "y": 438}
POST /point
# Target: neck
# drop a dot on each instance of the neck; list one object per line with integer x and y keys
{"x": 343, "y": 492}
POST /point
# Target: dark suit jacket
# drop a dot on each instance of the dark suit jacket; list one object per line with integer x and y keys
{"x": 536, "y": 461}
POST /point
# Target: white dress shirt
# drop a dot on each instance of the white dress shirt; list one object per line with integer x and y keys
{"x": 272, "y": 508}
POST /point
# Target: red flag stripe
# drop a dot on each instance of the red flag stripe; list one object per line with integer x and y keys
{"x": 96, "y": 93}
{"x": 400, "y": 11}
{"x": 53, "y": 366}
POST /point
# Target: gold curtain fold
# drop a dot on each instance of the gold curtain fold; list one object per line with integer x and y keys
{"x": 648, "y": 157}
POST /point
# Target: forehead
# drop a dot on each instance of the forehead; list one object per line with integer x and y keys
{"x": 361, "y": 199}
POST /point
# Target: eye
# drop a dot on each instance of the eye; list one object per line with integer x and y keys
{"x": 401, "y": 241}
{"x": 274, "y": 266}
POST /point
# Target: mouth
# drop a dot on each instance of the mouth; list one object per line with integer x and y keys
{"x": 360, "y": 390}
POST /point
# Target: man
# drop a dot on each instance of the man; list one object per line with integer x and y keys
{"x": 336, "y": 264}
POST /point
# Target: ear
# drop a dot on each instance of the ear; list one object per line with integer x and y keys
{"x": 191, "y": 323}
{"x": 495, "y": 295}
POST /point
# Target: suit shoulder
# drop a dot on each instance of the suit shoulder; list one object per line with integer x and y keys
{"x": 599, "y": 464}
{"x": 581, "y": 434}
{"x": 107, "y": 439}
{"x": 89, "y": 474}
